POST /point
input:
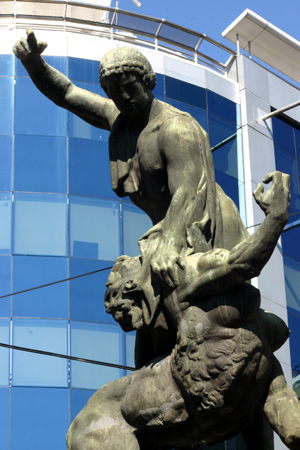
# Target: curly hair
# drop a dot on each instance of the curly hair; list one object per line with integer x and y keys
{"x": 127, "y": 60}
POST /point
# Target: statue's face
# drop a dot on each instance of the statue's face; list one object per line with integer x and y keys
{"x": 128, "y": 92}
{"x": 123, "y": 302}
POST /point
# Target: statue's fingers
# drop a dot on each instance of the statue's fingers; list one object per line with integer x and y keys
{"x": 168, "y": 277}
{"x": 181, "y": 262}
{"x": 258, "y": 192}
{"x": 32, "y": 41}
{"x": 269, "y": 177}
{"x": 286, "y": 181}
{"x": 42, "y": 46}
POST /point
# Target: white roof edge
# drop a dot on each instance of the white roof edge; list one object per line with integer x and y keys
{"x": 265, "y": 25}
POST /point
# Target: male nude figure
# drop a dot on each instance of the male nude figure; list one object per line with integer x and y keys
{"x": 221, "y": 376}
{"x": 159, "y": 156}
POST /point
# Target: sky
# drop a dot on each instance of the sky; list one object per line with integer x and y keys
{"x": 213, "y": 16}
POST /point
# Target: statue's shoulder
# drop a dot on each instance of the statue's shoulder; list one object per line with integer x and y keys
{"x": 173, "y": 119}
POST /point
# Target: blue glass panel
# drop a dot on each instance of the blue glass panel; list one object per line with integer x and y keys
{"x": 40, "y": 164}
{"x": 221, "y": 106}
{"x": 81, "y": 129}
{"x": 40, "y": 224}
{"x": 226, "y": 158}
{"x": 5, "y": 223}
{"x": 7, "y": 104}
{"x": 40, "y": 418}
{"x": 283, "y": 135}
{"x": 89, "y": 169}
{"x": 31, "y": 369}
{"x": 159, "y": 89}
{"x": 48, "y": 302}
{"x": 35, "y": 114}
{"x": 5, "y": 285}
{"x": 199, "y": 114}
{"x": 297, "y": 141}
{"x": 83, "y": 69}
{"x": 58, "y": 62}
{"x": 219, "y": 129}
{"x": 294, "y": 326}
{"x": 292, "y": 283}
{"x": 288, "y": 164}
{"x": 129, "y": 347}
{"x": 99, "y": 342}
{"x": 6, "y": 152}
{"x": 290, "y": 242}
{"x": 4, "y": 352}
{"x": 185, "y": 92}
{"x": 135, "y": 224}
{"x": 7, "y": 65}
{"x": 94, "y": 228}
{"x": 4, "y": 417}
{"x": 87, "y": 293}
{"x": 78, "y": 400}
{"x": 229, "y": 185}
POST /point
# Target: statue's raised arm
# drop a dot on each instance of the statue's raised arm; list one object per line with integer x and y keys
{"x": 92, "y": 108}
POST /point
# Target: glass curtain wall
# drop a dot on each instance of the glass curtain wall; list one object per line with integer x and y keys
{"x": 59, "y": 219}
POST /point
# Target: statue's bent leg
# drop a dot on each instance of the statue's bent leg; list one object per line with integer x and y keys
{"x": 282, "y": 409}
{"x": 100, "y": 425}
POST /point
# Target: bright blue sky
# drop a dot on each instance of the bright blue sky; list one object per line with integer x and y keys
{"x": 213, "y": 16}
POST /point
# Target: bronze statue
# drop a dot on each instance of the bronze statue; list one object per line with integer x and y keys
{"x": 204, "y": 348}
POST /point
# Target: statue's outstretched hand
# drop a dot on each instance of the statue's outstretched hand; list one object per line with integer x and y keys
{"x": 276, "y": 200}
{"x": 166, "y": 263}
{"x": 29, "y": 47}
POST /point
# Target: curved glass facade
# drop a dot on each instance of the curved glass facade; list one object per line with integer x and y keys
{"x": 59, "y": 219}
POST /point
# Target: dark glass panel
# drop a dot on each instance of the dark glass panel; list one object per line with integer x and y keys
{"x": 58, "y": 62}
{"x": 78, "y": 400}
{"x": 290, "y": 242}
{"x": 288, "y": 164}
{"x": 292, "y": 282}
{"x": 87, "y": 293}
{"x": 40, "y": 164}
{"x": 225, "y": 158}
{"x": 89, "y": 169}
{"x": 35, "y": 114}
{"x": 32, "y": 369}
{"x": 185, "y": 92}
{"x": 40, "y": 224}
{"x": 221, "y": 106}
{"x": 6, "y": 155}
{"x": 179, "y": 36}
{"x": 198, "y": 114}
{"x": 297, "y": 141}
{"x": 283, "y": 135}
{"x": 94, "y": 228}
{"x": 136, "y": 23}
{"x": 83, "y": 70}
{"x": 159, "y": 89}
{"x": 7, "y": 105}
{"x": 6, "y": 65}
{"x": 47, "y": 302}
{"x": 219, "y": 129}
{"x": 4, "y": 417}
{"x": 39, "y": 419}
{"x": 229, "y": 185}
{"x": 294, "y": 326}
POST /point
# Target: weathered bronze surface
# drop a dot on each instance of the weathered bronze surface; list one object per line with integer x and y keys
{"x": 204, "y": 348}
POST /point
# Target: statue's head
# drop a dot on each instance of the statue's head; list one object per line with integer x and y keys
{"x": 126, "y": 60}
{"x": 123, "y": 296}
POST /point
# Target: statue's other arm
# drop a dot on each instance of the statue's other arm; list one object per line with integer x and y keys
{"x": 220, "y": 270}
{"x": 92, "y": 108}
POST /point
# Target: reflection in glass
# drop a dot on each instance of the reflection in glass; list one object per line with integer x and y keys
{"x": 221, "y": 106}
{"x": 39, "y": 419}
{"x": 40, "y": 164}
{"x": 226, "y": 158}
{"x": 135, "y": 224}
{"x": 43, "y": 117}
{"x": 94, "y": 228}
{"x": 31, "y": 369}
{"x": 5, "y": 223}
{"x": 292, "y": 282}
{"x": 48, "y": 302}
{"x": 99, "y": 342}
{"x": 40, "y": 224}
{"x": 230, "y": 186}
{"x": 283, "y": 135}
{"x": 219, "y": 129}
{"x": 7, "y": 104}
{"x": 288, "y": 164}
{"x": 4, "y": 352}
{"x": 289, "y": 239}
